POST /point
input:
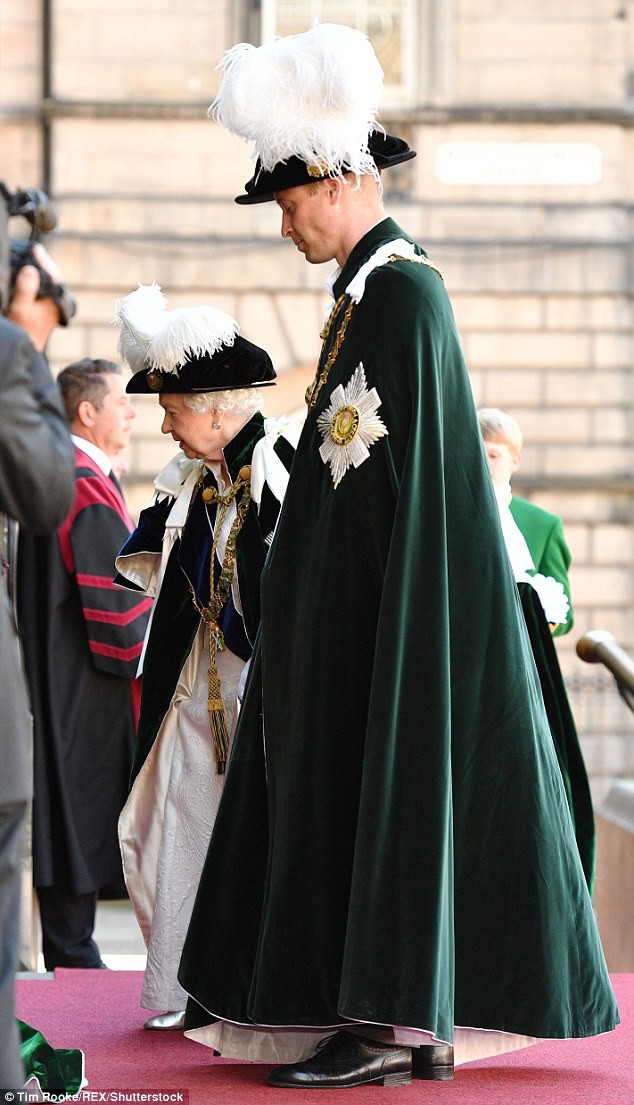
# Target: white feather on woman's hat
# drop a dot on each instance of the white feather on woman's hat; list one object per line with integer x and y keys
{"x": 188, "y": 349}
{"x": 308, "y": 102}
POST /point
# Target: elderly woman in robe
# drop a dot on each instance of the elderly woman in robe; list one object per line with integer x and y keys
{"x": 199, "y": 551}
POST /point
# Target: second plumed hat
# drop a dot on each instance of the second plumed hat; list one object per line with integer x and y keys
{"x": 308, "y": 102}
{"x": 189, "y": 349}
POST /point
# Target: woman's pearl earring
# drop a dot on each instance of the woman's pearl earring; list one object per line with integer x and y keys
{"x": 216, "y": 425}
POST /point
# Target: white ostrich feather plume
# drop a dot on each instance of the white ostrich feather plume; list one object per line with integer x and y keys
{"x": 152, "y": 337}
{"x": 313, "y": 95}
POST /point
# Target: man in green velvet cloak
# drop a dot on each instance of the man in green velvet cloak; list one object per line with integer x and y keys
{"x": 393, "y": 869}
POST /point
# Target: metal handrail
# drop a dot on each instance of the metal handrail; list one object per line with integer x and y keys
{"x": 599, "y": 647}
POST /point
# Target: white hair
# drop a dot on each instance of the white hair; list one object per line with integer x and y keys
{"x": 236, "y": 401}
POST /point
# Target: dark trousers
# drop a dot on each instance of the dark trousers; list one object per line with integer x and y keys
{"x": 68, "y": 921}
{"x": 12, "y": 819}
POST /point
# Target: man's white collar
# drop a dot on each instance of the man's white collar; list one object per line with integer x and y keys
{"x": 356, "y": 287}
{"x": 94, "y": 452}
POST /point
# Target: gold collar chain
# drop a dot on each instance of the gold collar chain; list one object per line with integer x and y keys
{"x": 312, "y": 391}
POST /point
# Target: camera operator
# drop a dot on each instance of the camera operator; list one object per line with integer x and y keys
{"x": 36, "y": 492}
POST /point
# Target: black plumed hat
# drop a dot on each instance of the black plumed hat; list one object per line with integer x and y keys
{"x": 386, "y": 150}
{"x": 309, "y": 104}
{"x": 189, "y": 349}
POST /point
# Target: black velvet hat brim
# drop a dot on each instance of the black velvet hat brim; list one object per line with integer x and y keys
{"x": 241, "y": 365}
{"x": 387, "y": 150}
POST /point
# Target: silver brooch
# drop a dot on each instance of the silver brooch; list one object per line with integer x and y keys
{"x": 350, "y": 425}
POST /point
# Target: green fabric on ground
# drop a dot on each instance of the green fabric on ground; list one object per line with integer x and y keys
{"x": 59, "y": 1070}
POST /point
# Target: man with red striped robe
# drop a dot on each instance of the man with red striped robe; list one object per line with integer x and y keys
{"x": 83, "y": 638}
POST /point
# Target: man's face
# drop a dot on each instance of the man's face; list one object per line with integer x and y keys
{"x": 502, "y": 462}
{"x": 308, "y": 219}
{"x": 113, "y": 419}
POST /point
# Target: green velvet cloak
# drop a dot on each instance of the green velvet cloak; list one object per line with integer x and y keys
{"x": 398, "y": 848}
{"x": 563, "y": 730}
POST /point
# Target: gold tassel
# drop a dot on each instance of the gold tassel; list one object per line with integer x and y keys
{"x": 215, "y": 705}
{"x": 217, "y": 720}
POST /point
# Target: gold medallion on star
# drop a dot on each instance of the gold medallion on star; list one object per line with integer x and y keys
{"x": 350, "y": 425}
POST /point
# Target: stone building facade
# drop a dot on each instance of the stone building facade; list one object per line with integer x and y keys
{"x": 522, "y": 193}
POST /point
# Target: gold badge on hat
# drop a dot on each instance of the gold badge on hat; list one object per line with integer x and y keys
{"x": 154, "y": 380}
{"x": 317, "y": 169}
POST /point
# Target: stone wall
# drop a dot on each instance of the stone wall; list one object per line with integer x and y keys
{"x": 521, "y": 193}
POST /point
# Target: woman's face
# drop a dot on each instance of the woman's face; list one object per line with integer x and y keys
{"x": 195, "y": 433}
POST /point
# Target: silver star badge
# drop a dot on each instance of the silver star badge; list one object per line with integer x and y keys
{"x": 350, "y": 425}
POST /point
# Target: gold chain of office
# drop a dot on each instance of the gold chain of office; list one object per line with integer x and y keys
{"x": 313, "y": 390}
{"x": 218, "y": 595}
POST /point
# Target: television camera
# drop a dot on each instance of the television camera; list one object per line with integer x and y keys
{"x": 36, "y": 207}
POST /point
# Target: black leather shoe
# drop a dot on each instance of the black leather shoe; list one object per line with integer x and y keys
{"x": 433, "y": 1063}
{"x": 344, "y": 1060}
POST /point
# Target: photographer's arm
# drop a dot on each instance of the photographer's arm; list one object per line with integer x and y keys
{"x": 38, "y": 317}
{"x": 36, "y": 454}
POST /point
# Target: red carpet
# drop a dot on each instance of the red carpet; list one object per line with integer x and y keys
{"x": 99, "y": 1012}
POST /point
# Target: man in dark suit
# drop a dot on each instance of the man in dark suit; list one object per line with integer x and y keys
{"x": 83, "y": 637}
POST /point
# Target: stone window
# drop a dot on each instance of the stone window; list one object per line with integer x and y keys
{"x": 393, "y": 27}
